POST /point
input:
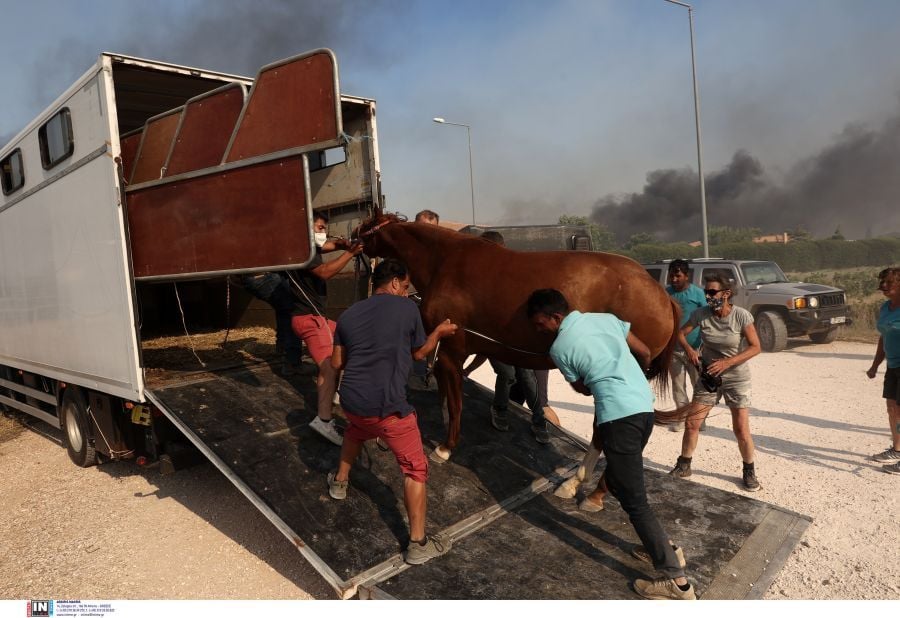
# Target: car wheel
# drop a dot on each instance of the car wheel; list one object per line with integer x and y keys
{"x": 74, "y": 421}
{"x": 825, "y": 336}
{"x": 772, "y": 331}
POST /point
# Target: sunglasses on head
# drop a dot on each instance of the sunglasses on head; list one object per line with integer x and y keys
{"x": 711, "y": 292}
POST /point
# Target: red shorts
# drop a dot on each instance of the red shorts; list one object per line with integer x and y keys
{"x": 402, "y": 436}
{"x": 317, "y": 333}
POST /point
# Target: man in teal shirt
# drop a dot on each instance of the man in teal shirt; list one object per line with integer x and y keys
{"x": 690, "y": 298}
{"x": 596, "y": 354}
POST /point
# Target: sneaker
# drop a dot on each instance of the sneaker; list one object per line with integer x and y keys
{"x": 337, "y": 489}
{"x": 541, "y": 435}
{"x": 750, "y": 482}
{"x": 682, "y": 468}
{"x": 887, "y": 456}
{"x": 498, "y": 419}
{"x": 893, "y": 468}
{"x": 663, "y": 589}
{"x": 639, "y": 552}
{"x": 327, "y": 430}
{"x": 676, "y": 427}
{"x": 435, "y": 545}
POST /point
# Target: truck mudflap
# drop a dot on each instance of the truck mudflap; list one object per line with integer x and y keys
{"x": 512, "y": 538}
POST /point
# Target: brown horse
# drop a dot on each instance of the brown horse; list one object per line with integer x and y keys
{"x": 483, "y": 287}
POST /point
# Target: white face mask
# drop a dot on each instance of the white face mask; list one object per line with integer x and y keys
{"x": 321, "y": 237}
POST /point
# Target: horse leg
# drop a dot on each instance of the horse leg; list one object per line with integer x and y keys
{"x": 448, "y": 371}
{"x": 570, "y": 487}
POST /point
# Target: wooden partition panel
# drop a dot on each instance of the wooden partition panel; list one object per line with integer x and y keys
{"x": 294, "y": 103}
{"x": 129, "y": 146}
{"x": 245, "y": 218}
{"x": 207, "y": 124}
{"x": 159, "y": 132}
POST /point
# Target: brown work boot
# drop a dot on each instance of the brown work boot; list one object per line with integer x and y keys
{"x": 682, "y": 468}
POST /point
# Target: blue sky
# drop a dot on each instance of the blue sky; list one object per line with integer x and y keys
{"x": 568, "y": 101}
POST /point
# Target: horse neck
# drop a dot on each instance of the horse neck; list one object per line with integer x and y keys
{"x": 418, "y": 246}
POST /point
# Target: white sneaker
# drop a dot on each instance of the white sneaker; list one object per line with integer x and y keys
{"x": 327, "y": 430}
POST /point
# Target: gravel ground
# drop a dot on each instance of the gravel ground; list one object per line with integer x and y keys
{"x": 120, "y": 532}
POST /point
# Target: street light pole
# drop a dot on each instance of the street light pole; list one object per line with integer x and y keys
{"x": 471, "y": 175}
{"x": 697, "y": 122}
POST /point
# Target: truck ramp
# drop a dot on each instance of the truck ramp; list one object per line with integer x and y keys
{"x": 513, "y": 539}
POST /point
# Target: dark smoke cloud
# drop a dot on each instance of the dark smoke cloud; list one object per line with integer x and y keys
{"x": 232, "y": 36}
{"x": 852, "y": 184}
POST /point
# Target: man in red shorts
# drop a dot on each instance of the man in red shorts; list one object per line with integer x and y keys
{"x": 375, "y": 344}
{"x": 309, "y": 321}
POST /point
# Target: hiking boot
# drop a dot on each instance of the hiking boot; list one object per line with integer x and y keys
{"x": 663, "y": 589}
{"x": 750, "y": 482}
{"x": 893, "y": 468}
{"x": 887, "y": 456}
{"x": 676, "y": 427}
{"x": 639, "y": 552}
{"x": 498, "y": 419}
{"x": 682, "y": 468}
{"x": 541, "y": 435}
{"x": 337, "y": 489}
{"x": 327, "y": 430}
{"x": 435, "y": 545}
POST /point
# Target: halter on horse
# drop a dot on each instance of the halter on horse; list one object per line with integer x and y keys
{"x": 483, "y": 288}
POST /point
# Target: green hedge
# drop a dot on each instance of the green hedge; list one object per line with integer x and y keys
{"x": 802, "y": 255}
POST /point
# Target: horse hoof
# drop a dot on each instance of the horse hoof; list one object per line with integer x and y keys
{"x": 440, "y": 455}
{"x": 567, "y": 490}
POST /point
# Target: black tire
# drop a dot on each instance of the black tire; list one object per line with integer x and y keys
{"x": 75, "y": 423}
{"x": 825, "y": 336}
{"x": 772, "y": 331}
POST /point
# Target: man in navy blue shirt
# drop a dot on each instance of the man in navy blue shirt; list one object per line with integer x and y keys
{"x": 375, "y": 343}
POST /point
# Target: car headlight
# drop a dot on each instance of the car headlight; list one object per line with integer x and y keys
{"x": 813, "y": 301}
{"x": 800, "y": 303}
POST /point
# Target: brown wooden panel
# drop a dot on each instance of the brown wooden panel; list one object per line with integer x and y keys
{"x": 129, "y": 146}
{"x": 158, "y": 135}
{"x": 206, "y": 127}
{"x": 251, "y": 217}
{"x": 290, "y": 105}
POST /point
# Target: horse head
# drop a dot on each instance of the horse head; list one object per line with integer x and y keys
{"x": 367, "y": 231}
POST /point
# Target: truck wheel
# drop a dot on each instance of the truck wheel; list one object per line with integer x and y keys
{"x": 825, "y": 336}
{"x": 772, "y": 331}
{"x": 75, "y": 421}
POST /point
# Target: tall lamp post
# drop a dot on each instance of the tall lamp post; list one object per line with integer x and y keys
{"x": 697, "y": 121}
{"x": 471, "y": 178}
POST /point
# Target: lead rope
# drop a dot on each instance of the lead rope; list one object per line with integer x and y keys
{"x": 227, "y": 309}
{"x": 184, "y": 323}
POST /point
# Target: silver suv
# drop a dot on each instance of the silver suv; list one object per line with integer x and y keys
{"x": 780, "y": 307}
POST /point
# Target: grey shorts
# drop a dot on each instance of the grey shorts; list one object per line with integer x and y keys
{"x": 735, "y": 392}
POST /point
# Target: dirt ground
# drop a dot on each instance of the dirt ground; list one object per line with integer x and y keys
{"x": 120, "y": 532}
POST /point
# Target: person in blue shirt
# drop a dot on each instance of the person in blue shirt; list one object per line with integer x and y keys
{"x": 889, "y": 348}
{"x": 690, "y": 298}
{"x": 596, "y": 353}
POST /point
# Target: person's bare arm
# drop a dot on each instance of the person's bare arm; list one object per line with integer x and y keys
{"x": 444, "y": 329}
{"x": 579, "y": 387}
{"x": 879, "y": 357}
{"x": 753, "y": 348}
{"x": 639, "y": 349}
{"x": 327, "y": 270}
{"x": 338, "y": 360}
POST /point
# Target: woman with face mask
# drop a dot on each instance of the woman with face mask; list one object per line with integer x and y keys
{"x": 727, "y": 341}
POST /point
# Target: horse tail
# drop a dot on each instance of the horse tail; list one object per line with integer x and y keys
{"x": 679, "y": 415}
{"x": 659, "y": 366}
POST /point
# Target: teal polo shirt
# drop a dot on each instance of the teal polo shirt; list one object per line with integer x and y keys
{"x": 889, "y": 329}
{"x": 690, "y": 299}
{"x": 592, "y": 347}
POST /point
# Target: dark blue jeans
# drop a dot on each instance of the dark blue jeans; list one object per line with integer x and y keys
{"x": 507, "y": 375}
{"x": 623, "y": 444}
{"x": 275, "y": 289}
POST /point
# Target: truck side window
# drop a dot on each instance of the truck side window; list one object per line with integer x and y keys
{"x": 13, "y": 173}
{"x": 56, "y": 140}
{"x": 727, "y": 273}
{"x": 656, "y": 274}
